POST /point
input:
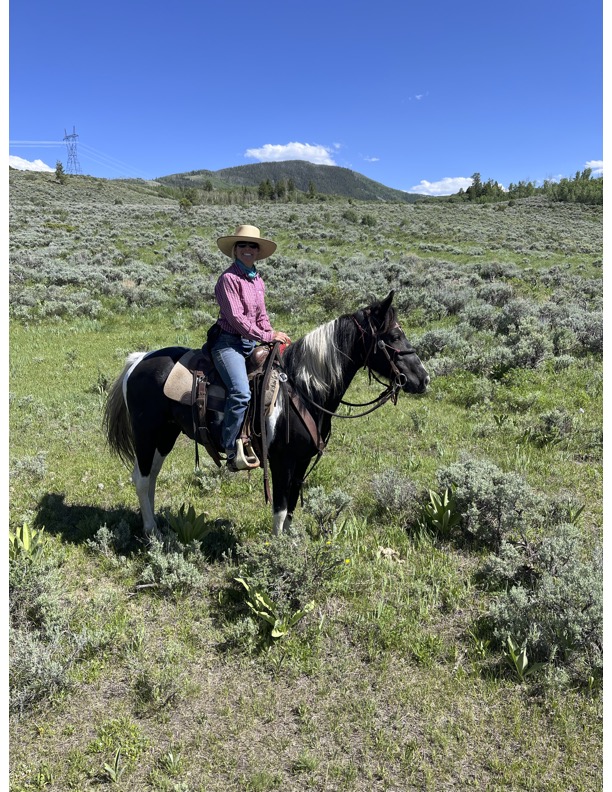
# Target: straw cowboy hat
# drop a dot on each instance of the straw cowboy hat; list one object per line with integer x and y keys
{"x": 246, "y": 233}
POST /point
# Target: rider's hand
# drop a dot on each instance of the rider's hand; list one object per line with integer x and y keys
{"x": 282, "y": 337}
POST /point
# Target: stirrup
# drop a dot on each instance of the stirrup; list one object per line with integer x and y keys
{"x": 246, "y": 458}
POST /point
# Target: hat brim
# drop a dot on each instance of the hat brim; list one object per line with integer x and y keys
{"x": 266, "y": 246}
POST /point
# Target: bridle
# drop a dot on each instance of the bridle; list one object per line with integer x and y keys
{"x": 390, "y": 392}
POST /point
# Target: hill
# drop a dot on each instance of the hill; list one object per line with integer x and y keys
{"x": 326, "y": 179}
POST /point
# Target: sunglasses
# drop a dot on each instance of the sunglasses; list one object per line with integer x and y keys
{"x": 253, "y": 245}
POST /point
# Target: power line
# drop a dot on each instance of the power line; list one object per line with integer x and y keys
{"x": 88, "y": 153}
{"x": 111, "y": 162}
{"x": 34, "y": 143}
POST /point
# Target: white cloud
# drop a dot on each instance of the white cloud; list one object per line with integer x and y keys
{"x": 21, "y": 164}
{"x": 318, "y": 155}
{"x": 447, "y": 186}
{"x": 372, "y": 159}
{"x": 596, "y": 166}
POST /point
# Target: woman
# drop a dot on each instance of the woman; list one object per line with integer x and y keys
{"x": 243, "y": 321}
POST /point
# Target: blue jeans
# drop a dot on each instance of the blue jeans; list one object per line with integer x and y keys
{"x": 229, "y": 355}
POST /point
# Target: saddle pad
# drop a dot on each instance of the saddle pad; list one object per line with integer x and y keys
{"x": 180, "y": 380}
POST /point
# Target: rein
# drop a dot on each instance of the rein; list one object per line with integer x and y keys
{"x": 390, "y": 392}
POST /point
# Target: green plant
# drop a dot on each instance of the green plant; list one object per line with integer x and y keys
{"x": 44, "y": 777}
{"x": 260, "y": 604}
{"x": 158, "y": 686}
{"x": 60, "y": 173}
{"x": 187, "y": 525}
{"x": 114, "y": 771}
{"x": 441, "y": 514}
{"x": 481, "y": 645}
{"x": 25, "y": 541}
{"x": 518, "y": 661}
{"x": 171, "y": 762}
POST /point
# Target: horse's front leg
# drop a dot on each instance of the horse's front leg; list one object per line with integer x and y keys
{"x": 287, "y": 482}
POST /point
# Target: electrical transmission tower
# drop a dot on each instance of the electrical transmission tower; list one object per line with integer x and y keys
{"x": 73, "y": 165}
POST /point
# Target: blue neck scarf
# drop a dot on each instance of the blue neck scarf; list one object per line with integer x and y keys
{"x": 250, "y": 273}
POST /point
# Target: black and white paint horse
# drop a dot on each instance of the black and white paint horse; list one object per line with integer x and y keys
{"x": 142, "y": 424}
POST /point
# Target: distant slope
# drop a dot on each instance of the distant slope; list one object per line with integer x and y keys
{"x": 327, "y": 180}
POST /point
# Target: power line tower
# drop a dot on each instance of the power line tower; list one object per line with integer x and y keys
{"x": 73, "y": 165}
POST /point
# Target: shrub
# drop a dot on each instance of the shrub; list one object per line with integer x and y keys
{"x": 325, "y": 508}
{"x": 433, "y": 342}
{"x": 480, "y": 315}
{"x": 34, "y": 593}
{"x": 171, "y": 571}
{"x": 552, "y": 602}
{"x": 291, "y": 570}
{"x": 38, "y": 657}
{"x": 552, "y": 427}
{"x": 37, "y": 668}
{"x": 530, "y": 344}
{"x": 514, "y": 314}
{"x": 109, "y": 541}
{"x": 395, "y": 494}
{"x": 493, "y": 505}
{"x": 495, "y": 293}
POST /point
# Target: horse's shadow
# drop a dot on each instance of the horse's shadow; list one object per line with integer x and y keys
{"x": 76, "y": 523}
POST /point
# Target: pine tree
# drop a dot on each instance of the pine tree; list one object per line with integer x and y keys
{"x": 60, "y": 175}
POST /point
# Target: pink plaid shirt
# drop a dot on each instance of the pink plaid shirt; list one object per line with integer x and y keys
{"x": 242, "y": 305}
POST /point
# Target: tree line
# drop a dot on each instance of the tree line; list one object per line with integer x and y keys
{"x": 583, "y": 188}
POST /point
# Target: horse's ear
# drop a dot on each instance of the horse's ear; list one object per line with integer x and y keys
{"x": 386, "y": 303}
{"x": 380, "y": 310}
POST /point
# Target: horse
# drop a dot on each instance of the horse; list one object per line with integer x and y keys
{"x": 142, "y": 424}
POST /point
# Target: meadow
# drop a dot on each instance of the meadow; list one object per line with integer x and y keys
{"x": 434, "y": 619}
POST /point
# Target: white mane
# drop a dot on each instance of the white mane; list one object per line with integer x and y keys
{"x": 320, "y": 368}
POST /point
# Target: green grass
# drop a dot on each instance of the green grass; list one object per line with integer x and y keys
{"x": 391, "y": 682}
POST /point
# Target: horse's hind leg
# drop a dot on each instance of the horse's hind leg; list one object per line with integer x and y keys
{"x": 145, "y": 489}
{"x": 150, "y": 455}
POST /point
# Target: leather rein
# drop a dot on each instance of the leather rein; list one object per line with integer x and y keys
{"x": 391, "y": 390}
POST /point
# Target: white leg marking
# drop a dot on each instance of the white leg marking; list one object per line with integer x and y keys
{"x": 145, "y": 489}
{"x": 279, "y": 519}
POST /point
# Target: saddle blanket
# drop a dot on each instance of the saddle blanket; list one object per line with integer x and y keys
{"x": 179, "y": 384}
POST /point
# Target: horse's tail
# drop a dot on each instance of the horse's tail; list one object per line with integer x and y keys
{"x": 117, "y": 423}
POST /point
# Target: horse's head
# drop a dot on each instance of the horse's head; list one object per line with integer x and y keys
{"x": 390, "y": 353}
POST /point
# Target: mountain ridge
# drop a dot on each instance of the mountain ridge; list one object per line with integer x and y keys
{"x": 323, "y": 179}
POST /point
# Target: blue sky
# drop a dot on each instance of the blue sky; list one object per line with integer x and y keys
{"x": 415, "y": 95}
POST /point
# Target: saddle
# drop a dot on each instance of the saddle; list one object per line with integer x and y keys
{"x": 194, "y": 381}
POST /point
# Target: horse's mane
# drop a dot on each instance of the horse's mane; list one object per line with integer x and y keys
{"x": 317, "y": 362}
